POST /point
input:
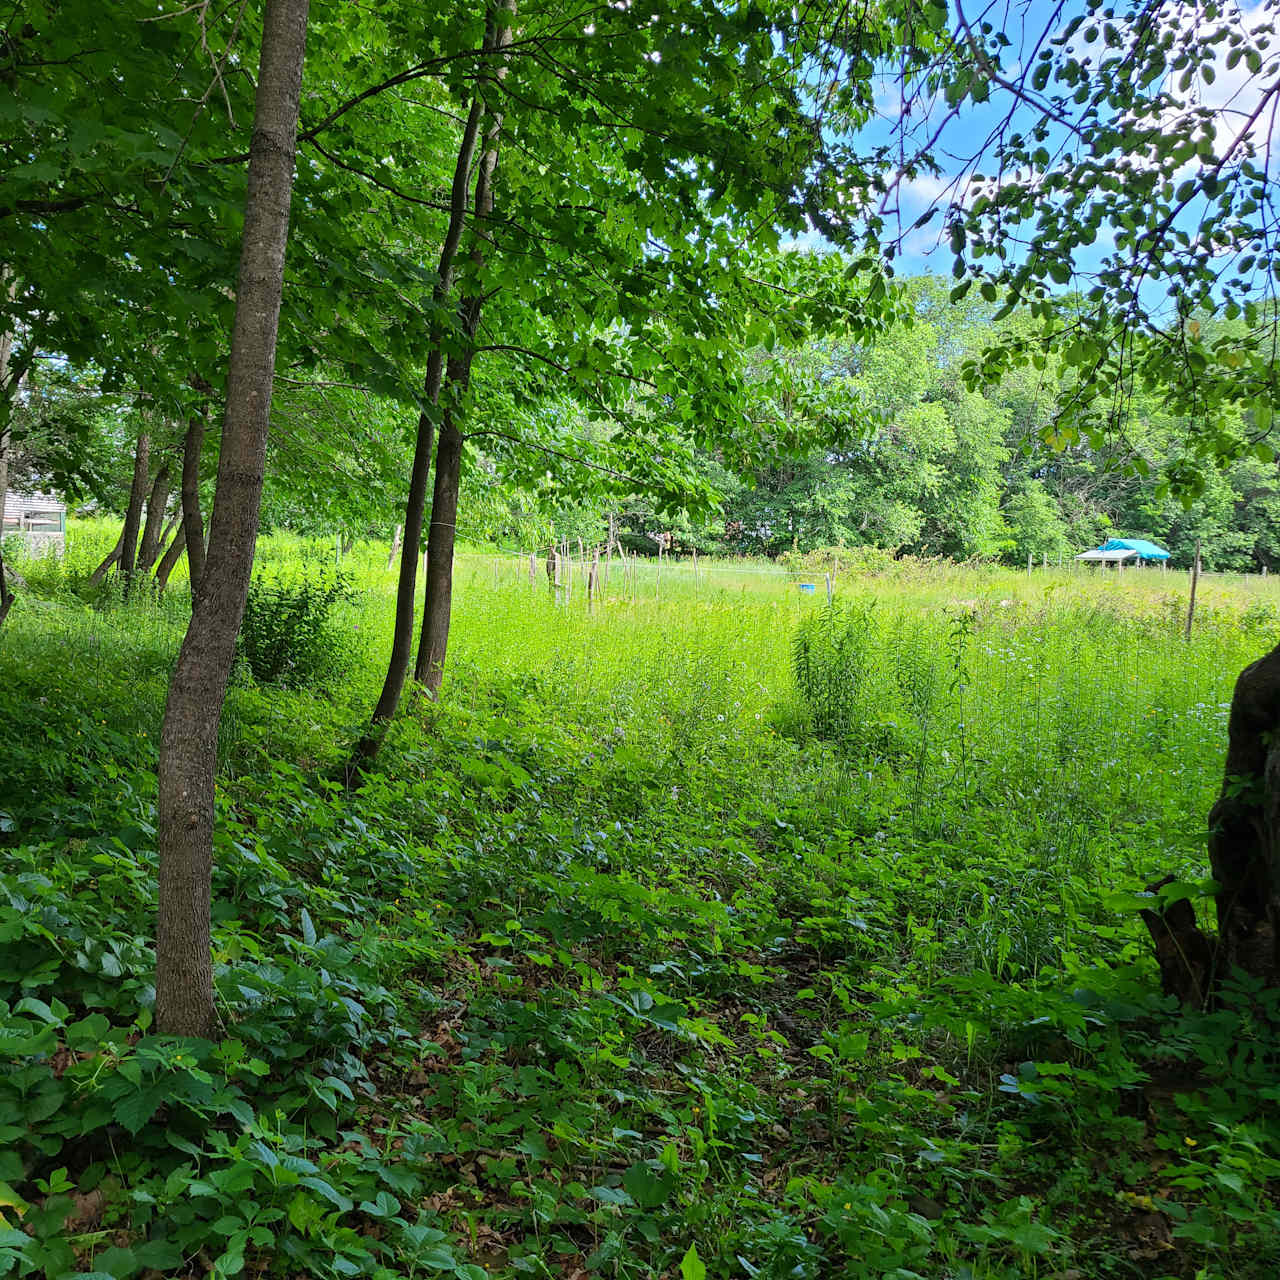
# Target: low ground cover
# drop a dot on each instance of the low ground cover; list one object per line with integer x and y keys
{"x": 715, "y": 933}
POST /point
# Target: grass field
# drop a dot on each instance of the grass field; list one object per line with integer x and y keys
{"x": 707, "y": 931}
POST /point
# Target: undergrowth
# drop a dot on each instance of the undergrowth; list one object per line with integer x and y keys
{"x": 709, "y": 939}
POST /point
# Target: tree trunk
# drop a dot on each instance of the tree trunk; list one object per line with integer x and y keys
{"x": 1244, "y": 826}
{"x": 395, "y": 547}
{"x": 420, "y": 474}
{"x": 192, "y": 519}
{"x": 189, "y": 737}
{"x": 133, "y": 516}
{"x": 6, "y": 345}
{"x": 1244, "y": 856}
{"x": 6, "y": 596}
{"x": 438, "y": 607}
{"x": 171, "y": 557}
{"x": 157, "y": 504}
{"x": 111, "y": 558}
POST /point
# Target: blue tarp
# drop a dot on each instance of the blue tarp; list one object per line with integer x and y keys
{"x": 1146, "y": 550}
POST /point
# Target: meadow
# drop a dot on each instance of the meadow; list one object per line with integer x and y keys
{"x": 704, "y": 931}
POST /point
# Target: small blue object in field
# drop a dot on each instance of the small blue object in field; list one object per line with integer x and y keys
{"x": 805, "y": 586}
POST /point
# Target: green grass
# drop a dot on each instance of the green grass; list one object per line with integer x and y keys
{"x": 713, "y": 920}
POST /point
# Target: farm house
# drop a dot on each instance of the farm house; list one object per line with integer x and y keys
{"x": 40, "y": 519}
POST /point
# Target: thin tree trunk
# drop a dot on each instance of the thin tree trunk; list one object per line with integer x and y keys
{"x": 157, "y": 504}
{"x": 395, "y": 546}
{"x": 111, "y": 558}
{"x": 133, "y": 516}
{"x": 429, "y": 669}
{"x": 192, "y": 518}
{"x": 7, "y": 393}
{"x": 6, "y": 345}
{"x": 438, "y": 606}
{"x": 171, "y": 557}
{"x": 420, "y": 474}
{"x": 193, "y": 710}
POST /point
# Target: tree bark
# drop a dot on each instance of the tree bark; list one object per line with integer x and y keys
{"x": 157, "y": 504}
{"x": 420, "y": 473}
{"x": 1244, "y": 826}
{"x": 438, "y": 607}
{"x": 6, "y": 346}
{"x": 133, "y": 515}
{"x": 171, "y": 557}
{"x": 1244, "y": 856}
{"x": 192, "y": 518}
{"x": 193, "y": 710}
{"x": 111, "y": 558}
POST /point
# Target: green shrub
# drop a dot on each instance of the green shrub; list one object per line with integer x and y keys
{"x": 290, "y": 635}
{"x": 832, "y": 655}
{"x": 871, "y": 561}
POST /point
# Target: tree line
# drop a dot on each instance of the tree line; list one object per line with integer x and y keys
{"x": 921, "y": 465}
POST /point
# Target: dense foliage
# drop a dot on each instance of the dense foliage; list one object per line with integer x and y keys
{"x": 699, "y": 922}
{"x": 916, "y": 463}
{"x": 648, "y": 951}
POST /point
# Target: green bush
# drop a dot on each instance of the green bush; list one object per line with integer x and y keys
{"x": 870, "y": 561}
{"x": 290, "y": 635}
{"x": 832, "y": 657}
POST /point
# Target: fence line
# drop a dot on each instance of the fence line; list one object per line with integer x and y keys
{"x": 668, "y": 566}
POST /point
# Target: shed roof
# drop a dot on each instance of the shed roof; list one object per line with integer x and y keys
{"x": 15, "y": 501}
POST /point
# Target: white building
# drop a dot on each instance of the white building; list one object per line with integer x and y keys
{"x": 39, "y": 519}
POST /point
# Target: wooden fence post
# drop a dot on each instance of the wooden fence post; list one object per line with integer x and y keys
{"x": 1195, "y": 578}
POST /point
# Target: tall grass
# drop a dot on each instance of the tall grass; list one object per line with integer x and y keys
{"x": 872, "y": 846}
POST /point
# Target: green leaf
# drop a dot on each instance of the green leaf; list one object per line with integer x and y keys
{"x": 322, "y": 1188}
{"x": 691, "y": 1266}
{"x": 648, "y": 1189}
{"x": 135, "y": 1109}
{"x": 439, "y": 1257}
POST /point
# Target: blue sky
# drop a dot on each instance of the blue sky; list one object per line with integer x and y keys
{"x": 1226, "y": 90}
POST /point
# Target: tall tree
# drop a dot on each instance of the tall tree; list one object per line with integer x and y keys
{"x": 6, "y": 346}
{"x": 193, "y": 710}
{"x": 192, "y": 519}
{"x": 436, "y": 610}
{"x": 137, "y": 499}
{"x": 157, "y": 504}
{"x": 420, "y": 475}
